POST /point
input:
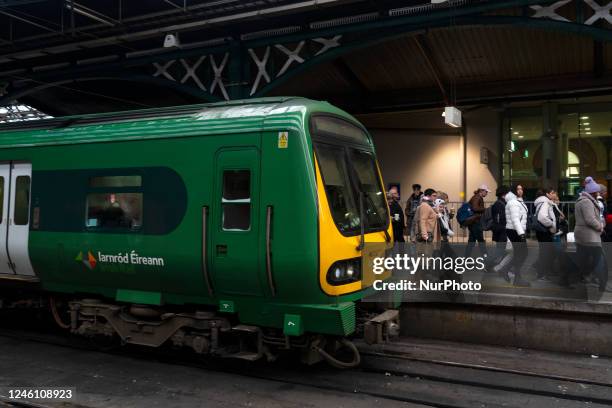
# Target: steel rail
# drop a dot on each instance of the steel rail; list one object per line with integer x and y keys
{"x": 289, "y": 375}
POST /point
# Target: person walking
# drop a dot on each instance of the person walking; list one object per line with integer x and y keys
{"x": 426, "y": 218}
{"x": 444, "y": 219}
{"x": 546, "y": 228}
{"x": 498, "y": 228}
{"x": 426, "y": 228}
{"x": 516, "y": 225}
{"x": 475, "y": 228}
{"x": 450, "y": 212}
{"x": 588, "y": 235}
{"x": 397, "y": 215}
{"x": 412, "y": 204}
{"x": 561, "y": 257}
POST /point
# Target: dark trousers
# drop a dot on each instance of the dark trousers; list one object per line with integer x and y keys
{"x": 545, "y": 246}
{"x": 500, "y": 238}
{"x": 475, "y": 235}
{"x": 519, "y": 253}
{"x": 398, "y": 232}
{"x": 591, "y": 261}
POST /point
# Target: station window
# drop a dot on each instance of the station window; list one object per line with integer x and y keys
{"x": 22, "y": 200}
{"x": 114, "y": 210}
{"x": 116, "y": 181}
{"x": 236, "y": 200}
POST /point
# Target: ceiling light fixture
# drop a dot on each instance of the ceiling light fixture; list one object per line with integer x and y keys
{"x": 452, "y": 116}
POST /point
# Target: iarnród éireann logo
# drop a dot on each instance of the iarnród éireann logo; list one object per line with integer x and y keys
{"x": 89, "y": 261}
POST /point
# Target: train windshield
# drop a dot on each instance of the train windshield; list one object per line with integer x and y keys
{"x": 350, "y": 174}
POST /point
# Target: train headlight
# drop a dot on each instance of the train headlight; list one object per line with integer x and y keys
{"x": 343, "y": 272}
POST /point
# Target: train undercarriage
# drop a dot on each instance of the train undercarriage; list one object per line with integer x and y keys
{"x": 206, "y": 332}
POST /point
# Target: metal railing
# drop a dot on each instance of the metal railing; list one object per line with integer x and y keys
{"x": 461, "y": 234}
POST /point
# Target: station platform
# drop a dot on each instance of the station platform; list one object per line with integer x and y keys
{"x": 547, "y": 288}
{"x": 544, "y": 315}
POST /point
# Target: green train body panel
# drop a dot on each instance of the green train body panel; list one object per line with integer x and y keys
{"x": 179, "y": 159}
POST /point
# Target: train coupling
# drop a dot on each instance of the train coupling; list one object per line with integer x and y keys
{"x": 381, "y": 328}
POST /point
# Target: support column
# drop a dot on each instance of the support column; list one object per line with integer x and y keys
{"x": 551, "y": 157}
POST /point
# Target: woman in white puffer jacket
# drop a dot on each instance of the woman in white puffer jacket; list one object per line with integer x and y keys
{"x": 516, "y": 226}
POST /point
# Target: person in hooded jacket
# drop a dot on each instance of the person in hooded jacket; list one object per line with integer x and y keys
{"x": 516, "y": 225}
{"x": 545, "y": 216}
{"x": 587, "y": 233}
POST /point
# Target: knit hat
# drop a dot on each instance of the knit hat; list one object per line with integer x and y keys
{"x": 590, "y": 186}
{"x": 438, "y": 202}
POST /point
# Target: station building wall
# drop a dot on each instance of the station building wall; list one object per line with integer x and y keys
{"x": 417, "y": 147}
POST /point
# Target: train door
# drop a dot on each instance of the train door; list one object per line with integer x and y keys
{"x": 5, "y": 174}
{"x": 234, "y": 223}
{"x": 19, "y": 218}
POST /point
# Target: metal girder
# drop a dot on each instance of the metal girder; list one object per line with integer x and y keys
{"x": 90, "y": 13}
{"x": 426, "y": 52}
{"x": 491, "y": 92}
{"x": 10, "y": 3}
{"x": 27, "y": 21}
{"x": 252, "y": 68}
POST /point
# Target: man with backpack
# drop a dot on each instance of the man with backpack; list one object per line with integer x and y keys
{"x": 477, "y": 206}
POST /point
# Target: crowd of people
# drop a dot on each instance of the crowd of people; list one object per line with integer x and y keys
{"x": 426, "y": 219}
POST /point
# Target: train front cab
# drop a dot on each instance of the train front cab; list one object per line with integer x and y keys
{"x": 353, "y": 211}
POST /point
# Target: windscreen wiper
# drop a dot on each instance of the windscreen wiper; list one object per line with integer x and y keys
{"x": 362, "y": 221}
{"x": 387, "y": 236}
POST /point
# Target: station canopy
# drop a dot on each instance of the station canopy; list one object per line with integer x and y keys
{"x": 84, "y": 56}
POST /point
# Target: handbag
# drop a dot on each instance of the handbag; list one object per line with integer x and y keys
{"x": 534, "y": 224}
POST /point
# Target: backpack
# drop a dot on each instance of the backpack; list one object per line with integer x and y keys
{"x": 486, "y": 221}
{"x": 464, "y": 213}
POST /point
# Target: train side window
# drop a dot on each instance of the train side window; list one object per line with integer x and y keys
{"x": 1, "y": 198}
{"x": 236, "y": 200}
{"x": 22, "y": 200}
{"x": 114, "y": 210}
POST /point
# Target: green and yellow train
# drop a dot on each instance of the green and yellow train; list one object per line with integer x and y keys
{"x": 233, "y": 228}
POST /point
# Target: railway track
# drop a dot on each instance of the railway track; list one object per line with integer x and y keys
{"x": 413, "y": 372}
{"x": 6, "y": 402}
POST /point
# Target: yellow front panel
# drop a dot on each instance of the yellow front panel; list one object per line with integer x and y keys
{"x": 334, "y": 246}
